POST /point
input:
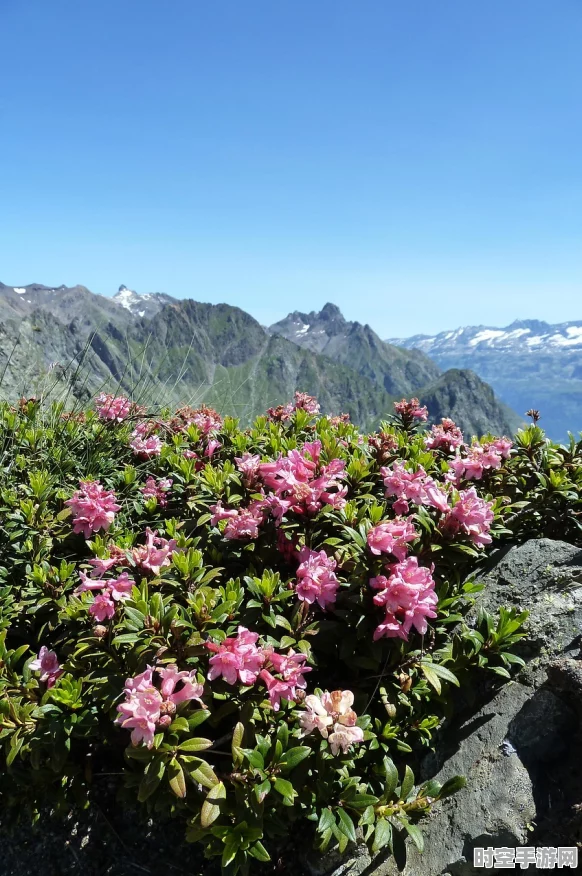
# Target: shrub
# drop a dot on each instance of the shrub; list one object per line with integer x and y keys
{"x": 257, "y": 630}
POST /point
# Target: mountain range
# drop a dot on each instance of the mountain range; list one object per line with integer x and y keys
{"x": 68, "y": 341}
{"x": 529, "y": 364}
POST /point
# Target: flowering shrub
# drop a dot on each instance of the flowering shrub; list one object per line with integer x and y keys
{"x": 258, "y": 631}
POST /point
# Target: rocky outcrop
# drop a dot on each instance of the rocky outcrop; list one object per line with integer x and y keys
{"x": 519, "y": 749}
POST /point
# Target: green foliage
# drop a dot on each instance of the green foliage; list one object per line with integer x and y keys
{"x": 239, "y": 773}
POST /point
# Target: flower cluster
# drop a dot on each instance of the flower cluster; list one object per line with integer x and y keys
{"x": 392, "y": 537}
{"x": 471, "y": 515}
{"x": 332, "y": 711}
{"x": 411, "y": 410}
{"x": 110, "y": 407}
{"x": 239, "y": 659}
{"x": 316, "y": 580}
{"x": 301, "y": 484}
{"x": 93, "y": 506}
{"x": 302, "y": 401}
{"x": 416, "y": 487}
{"x": 112, "y": 590}
{"x": 408, "y": 597}
{"x": 478, "y": 459}
{"x": 145, "y": 447}
{"x": 157, "y": 490}
{"x": 48, "y": 665}
{"x": 147, "y": 707}
{"x": 445, "y": 436}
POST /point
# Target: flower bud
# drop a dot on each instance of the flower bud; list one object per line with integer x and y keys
{"x": 99, "y": 631}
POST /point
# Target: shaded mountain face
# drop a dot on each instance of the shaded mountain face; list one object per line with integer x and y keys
{"x": 529, "y": 364}
{"x": 399, "y": 372}
{"x": 166, "y": 351}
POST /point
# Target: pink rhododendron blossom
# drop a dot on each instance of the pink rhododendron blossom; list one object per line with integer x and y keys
{"x": 291, "y": 669}
{"x": 146, "y": 708}
{"x": 332, "y": 711}
{"x": 316, "y": 580}
{"x": 219, "y": 513}
{"x": 248, "y": 464}
{"x": 110, "y": 407}
{"x": 246, "y": 523}
{"x": 47, "y": 663}
{"x": 102, "y": 565}
{"x": 146, "y": 448}
{"x": 190, "y": 454}
{"x": 313, "y": 448}
{"x": 287, "y": 546}
{"x": 206, "y": 420}
{"x": 102, "y": 608}
{"x": 503, "y": 446}
{"x": 157, "y": 490}
{"x": 411, "y": 410}
{"x": 408, "y": 597}
{"x": 306, "y": 402}
{"x": 301, "y": 481}
{"x": 412, "y": 486}
{"x": 94, "y": 508}
{"x": 391, "y": 537}
{"x": 237, "y": 658}
{"x": 212, "y": 446}
{"x": 446, "y": 437}
{"x": 471, "y": 515}
{"x": 155, "y": 554}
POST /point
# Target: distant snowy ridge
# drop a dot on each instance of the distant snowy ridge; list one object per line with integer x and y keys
{"x": 520, "y": 335}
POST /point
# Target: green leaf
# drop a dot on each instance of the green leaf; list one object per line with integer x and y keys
{"x": 151, "y": 779}
{"x": 285, "y": 789}
{"x": 294, "y": 756}
{"x": 211, "y": 806}
{"x": 414, "y": 833}
{"x": 382, "y": 835}
{"x": 346, "y": 825}
{"x": 202, "y": 773}
{"x": 457, "y": 783}
{"x": 326, "y": 820}
{"x": 407, "y": 783}
{"x": 259, "y": 852}
{"x": 361, "y": 801}
{"x": 431, "y": 676}
{"x": 176, "y": 778}
{"x": 255, "y": 758}
{"x": 391, "y": 777}
{"x": 195, "y": 744}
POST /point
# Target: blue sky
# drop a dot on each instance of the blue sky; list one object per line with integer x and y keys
{"x": 417, "y": 163}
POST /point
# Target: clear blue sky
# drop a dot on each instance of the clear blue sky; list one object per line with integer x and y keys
{"x": 417, "y": 162}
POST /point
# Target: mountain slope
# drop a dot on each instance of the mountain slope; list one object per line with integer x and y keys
{"x": 465, "y": 398}
{"x": 529, "y": 364}
{"x": 357, "y": 346}
{"x": 165, "y": 351}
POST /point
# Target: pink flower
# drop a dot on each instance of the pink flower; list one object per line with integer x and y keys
{"x": 48, "y": 664}
{"x": 391, "y": 537}
{"x": 473, "y": 516}
{"x": 290, "y": 667}
{"x": 206, "y": 420}
{"x": 315, "y": 578}
{"x": 332, "y": 710}
{"x": 246, "y": 523}
{"x": 306, "y": 402}
{"x": 155, "y": 554}
{"x": 219, "y": 513}
{"x": 146, "y": 447}
{"x": 102, "y": 608}
{"x": 117, "y": 557}
{"x": 344, "y": 737}
{"x": 146, "y": 708}
{"x": 503, "y": 446}
{"x": 120, "y": 587}
{"x": 404, "y": 484}
{"x": 110, "y": 407}
{"x": 408, "y": 597}
{"x": 157, "y": 490}
{"x": 211, "y": 447}
{"x": 446, "y": 437}
{"x": 188, "y": 688}
{"x": 248, "y": 464}
{"x": 236, "y": 658}
{"x": 190, "y": 454}
{"x": 296, "y": 479}
{"x": 411, "y": 410}
{"x": 94, "y": 508}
